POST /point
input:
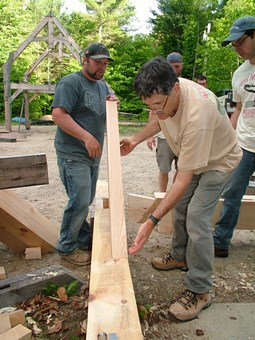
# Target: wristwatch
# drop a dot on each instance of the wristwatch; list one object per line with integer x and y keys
{"x": 154, "y": 219}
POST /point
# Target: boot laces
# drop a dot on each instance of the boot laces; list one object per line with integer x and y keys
{"x": 187, "y": 299}
{"x": 167, "y": 258}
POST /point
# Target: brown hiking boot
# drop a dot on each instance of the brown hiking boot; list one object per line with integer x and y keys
{"x": 79, "y": 257}
{"x": 189, "y": 305}
{"x": 168, "y": 263}
{"x": 220, "y": 252}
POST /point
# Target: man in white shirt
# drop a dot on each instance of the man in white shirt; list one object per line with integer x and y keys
{"x": 242, "y": 38}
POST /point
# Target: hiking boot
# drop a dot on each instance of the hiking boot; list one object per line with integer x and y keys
{"x": 220, "y": 252}
{"x": 189, "y": 305}
{"x": 79, "y": 257}
{"x": 168, "y": 263}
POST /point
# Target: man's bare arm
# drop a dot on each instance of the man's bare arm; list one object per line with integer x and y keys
{"x": 235, "y": 115}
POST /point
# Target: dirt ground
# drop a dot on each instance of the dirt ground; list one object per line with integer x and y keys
{"x": 234, "y": 277}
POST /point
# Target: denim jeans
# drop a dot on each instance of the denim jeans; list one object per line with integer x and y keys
{"x": 232, "y": 194}
{"x": 80, "y": 181}
{"x": 193, "y": 235}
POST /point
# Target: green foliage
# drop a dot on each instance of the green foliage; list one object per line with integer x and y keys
{"x": 51, "y": 288}
{"x": 110, "y": 19}
{"x": 40, "y": 8}
{"x": 144, "y": 311}
{"x": 16, "y": 23}
{"x": 220, "y": 63}
{"x": 79, "y": 28}
{"x": 178, "y": 25}
{"x": 129, "y": 55}
{"x": 71, "y": 288}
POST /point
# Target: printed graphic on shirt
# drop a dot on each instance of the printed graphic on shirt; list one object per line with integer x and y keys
{"x": 94, "y": 102}
{"x": 249, "y": 105}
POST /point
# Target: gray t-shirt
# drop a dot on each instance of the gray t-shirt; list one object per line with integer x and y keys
{"x": 85, "y": 101}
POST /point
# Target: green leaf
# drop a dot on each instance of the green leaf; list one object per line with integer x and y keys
{"x": 72, "y": 287}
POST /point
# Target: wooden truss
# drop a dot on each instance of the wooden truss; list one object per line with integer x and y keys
{"x": 57, "y": 38}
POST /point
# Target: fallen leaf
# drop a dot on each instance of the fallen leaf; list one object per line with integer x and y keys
{"x": 56, "y": 327}
{"x": 62, "y": 294}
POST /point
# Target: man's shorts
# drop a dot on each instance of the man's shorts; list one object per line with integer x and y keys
{"x": 164, "y": 156}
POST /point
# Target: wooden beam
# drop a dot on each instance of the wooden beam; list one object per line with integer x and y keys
{"x": 139, "y": 207}
{"x": 12, "y": 135}
{"x": 22, "y": 226}
{"x": 69, "y": 40}
{"x": 40, "y": 88}
{"x": 8, "y": 140}
{"x": 22, "y": 171}
{"x": 30, "y": 37}
{"x": 116, "y": 197}
{"x": 112, "y": 306}
{"x": 246, "y": 218}
{"x": 7, "y": 90}
{"x": 18, "y": 332}
{"x": 26, "y": 110}
{"x": 2, "y": 273}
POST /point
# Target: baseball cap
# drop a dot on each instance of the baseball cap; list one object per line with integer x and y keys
{"x": 238, "y": 28}
{"x": 174, "y": 57}
{"x": 97, "y": 51}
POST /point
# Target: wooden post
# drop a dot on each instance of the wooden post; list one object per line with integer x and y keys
{"x": 116, "y": 197}
{"x": 7, "y": 91}
{"x": 26, "y": 109}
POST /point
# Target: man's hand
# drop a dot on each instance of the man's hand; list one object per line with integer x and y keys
{"x": 142, "y": 236}
{"x": 92, "y": 145}
{"x": 151, "y": 142}
{"x": 126, "y": 146}
{"x": 113, "y": 98}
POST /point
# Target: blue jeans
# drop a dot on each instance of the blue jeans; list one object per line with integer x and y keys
{"x": 232, "y": 194}
{"x": 80, "y": 181}
{"x": 193, "y": 237}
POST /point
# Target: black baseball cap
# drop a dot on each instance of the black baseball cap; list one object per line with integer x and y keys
{"x": 238, "y": 28}
{"x": 97, "y": 51}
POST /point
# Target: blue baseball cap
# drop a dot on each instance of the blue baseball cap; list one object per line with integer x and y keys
{"x": 174, "y": 57}
{"x": 238, "y": 28}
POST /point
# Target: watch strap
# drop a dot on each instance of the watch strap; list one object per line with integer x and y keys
{"x": 154, "y": 219}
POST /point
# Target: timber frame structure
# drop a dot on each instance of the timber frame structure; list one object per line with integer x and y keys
{"x": 54, "y": 42}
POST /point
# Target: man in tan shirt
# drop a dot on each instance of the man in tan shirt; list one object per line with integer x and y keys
{"x": 199, "y": 133}
{"x": 164, "y": 154}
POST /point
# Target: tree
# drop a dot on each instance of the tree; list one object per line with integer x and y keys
{"x": 15, "y": 23}
{"x": 18, "y": 18}
{"x": 110, "y": 19}
{"x": 222, "y": 62}
{"x": 129, "y": 55}
{"x": 180, "y": 26}
{"x": 40, "y": 8}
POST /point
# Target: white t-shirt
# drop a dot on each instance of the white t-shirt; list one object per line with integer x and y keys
{"x": 200, "y": 133}
{"x": 243, "y": 84}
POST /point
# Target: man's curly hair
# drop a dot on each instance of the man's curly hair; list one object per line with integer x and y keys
{"x": 155, "y": 76}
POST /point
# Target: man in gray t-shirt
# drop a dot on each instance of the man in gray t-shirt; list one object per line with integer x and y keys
{"x": 79, "y": 110}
